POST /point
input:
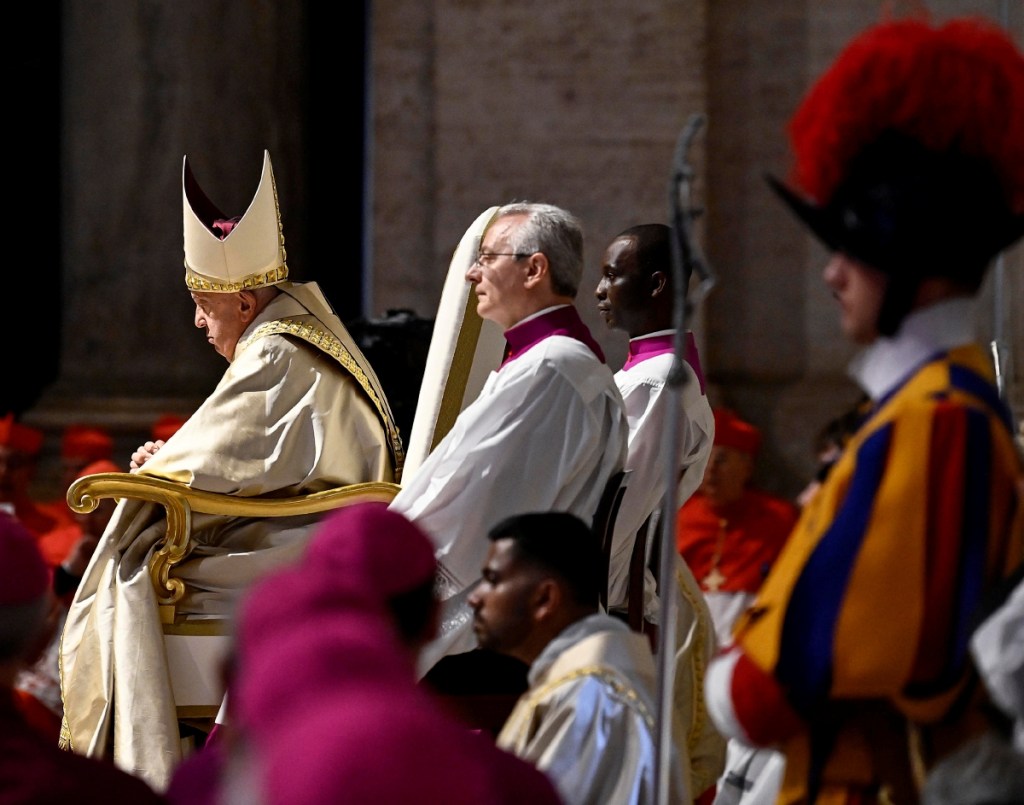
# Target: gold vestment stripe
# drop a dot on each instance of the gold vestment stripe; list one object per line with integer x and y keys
{"x": 458, "y": 375}
{"x": 611, "y": 678}
{"x": 329, "y": 344}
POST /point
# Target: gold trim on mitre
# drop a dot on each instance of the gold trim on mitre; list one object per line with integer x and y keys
{"x": 251, "y": 256}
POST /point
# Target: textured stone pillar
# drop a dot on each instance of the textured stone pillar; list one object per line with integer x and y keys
{"x": 472, "y": 104}
{"x": 478, "y": 104}
{"x": 143, "y": 85}
{"x": 774, "y": 348}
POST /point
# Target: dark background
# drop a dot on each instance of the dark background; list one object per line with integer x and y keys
{"x": 323, "y": 227}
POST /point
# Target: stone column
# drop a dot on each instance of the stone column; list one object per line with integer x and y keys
{"x": 143, "y": 85}
{"x": 478, "y": 104}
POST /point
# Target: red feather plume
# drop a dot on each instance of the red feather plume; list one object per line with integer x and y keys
{"x": 958, "y": 86}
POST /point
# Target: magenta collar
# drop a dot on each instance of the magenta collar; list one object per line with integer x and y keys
{"x": 645, "y": 347}
{"x": 564, "y": 320}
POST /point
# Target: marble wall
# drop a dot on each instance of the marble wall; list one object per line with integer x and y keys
{"x": 391, "y": 132}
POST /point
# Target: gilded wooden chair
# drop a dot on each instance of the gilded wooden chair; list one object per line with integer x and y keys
{"x": 195, "y": 647}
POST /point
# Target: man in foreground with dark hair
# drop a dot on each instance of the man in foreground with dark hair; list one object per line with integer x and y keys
{"x": 324, "y": 705}
{"x": 588, "y": 719}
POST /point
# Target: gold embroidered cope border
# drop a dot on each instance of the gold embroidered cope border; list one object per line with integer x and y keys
{"x": 700, "y": 669}
{"x": 328, "y": 343}
{"x": 610, "y": 678}
{"x": 197, "y": 282}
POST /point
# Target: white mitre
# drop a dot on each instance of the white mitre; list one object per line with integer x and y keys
{"x": 252, "y": 254}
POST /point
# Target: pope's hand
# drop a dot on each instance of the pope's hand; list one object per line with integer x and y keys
{"x": 145, "y": 453}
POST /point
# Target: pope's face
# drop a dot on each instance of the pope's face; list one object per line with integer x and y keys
{"x": 499, "y": 276}
{"x": 501, "y": 600}
{"x": 220, "y": 314}
{"x": 622, "y": 293}
{"x": 859, "y": 290}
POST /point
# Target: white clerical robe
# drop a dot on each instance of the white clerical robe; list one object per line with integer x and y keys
{"x": 646, "y": 398}
{"x": 589, "y": 717}
{"x": 285, "y": 418}
{"x": 547, "y": 432}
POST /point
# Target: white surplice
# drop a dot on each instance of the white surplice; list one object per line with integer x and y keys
{"x": 646, "y": 398}
{"x": 546, "y": 433}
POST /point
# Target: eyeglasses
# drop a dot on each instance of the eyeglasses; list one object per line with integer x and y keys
{"x": 487, "y": 258}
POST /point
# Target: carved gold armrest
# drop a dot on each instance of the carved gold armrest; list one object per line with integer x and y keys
{"x": 180, "y": 501}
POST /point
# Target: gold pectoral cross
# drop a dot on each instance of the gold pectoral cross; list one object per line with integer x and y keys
{"x": 713, "y": 580}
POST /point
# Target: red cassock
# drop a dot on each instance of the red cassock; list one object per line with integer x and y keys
{"x": 731, "y": 549}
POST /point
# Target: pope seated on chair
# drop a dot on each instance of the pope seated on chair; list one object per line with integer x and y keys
{"x": 298, "y": 410}
{"x": 588, "y": 719}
